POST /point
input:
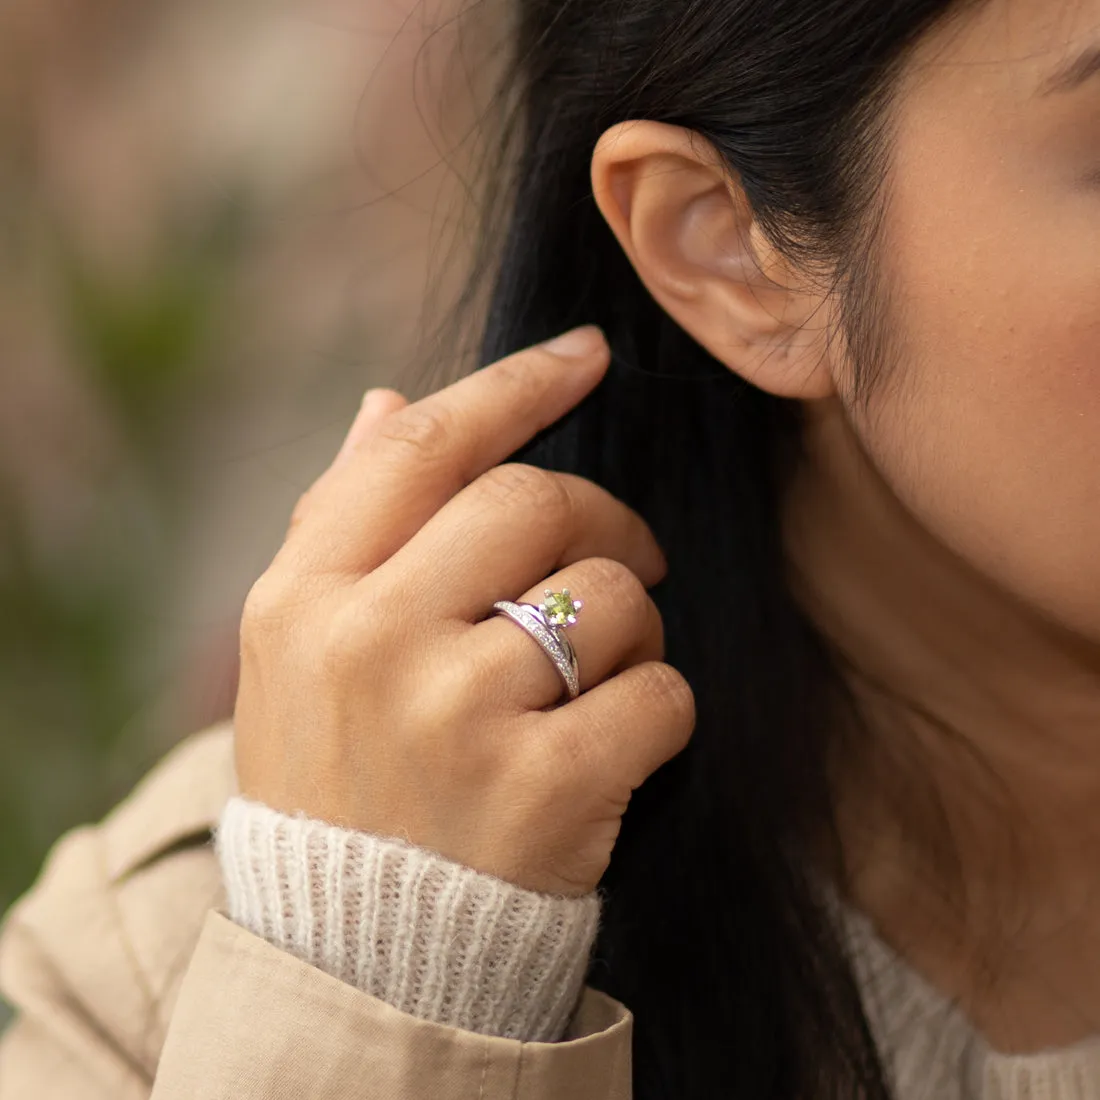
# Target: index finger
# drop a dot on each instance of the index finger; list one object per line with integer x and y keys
{"x": 415, "y": 459}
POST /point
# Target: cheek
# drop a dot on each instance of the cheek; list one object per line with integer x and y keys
{"x": 992, "y": 438}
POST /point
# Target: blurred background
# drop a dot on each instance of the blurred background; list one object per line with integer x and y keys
{"x": 220, "y": 222}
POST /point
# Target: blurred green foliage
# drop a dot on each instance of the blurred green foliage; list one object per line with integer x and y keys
{"x": 144, "y": 339}
{"x": 199, "y": 275}
{"x": 80, "y": 671}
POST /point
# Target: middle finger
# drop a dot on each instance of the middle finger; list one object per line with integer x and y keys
{"x": 511, "y": 527}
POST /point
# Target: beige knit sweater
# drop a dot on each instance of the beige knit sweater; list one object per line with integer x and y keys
{"x": 445, "y": 942}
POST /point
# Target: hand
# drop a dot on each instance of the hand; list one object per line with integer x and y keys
{"x": 376, "y": 694}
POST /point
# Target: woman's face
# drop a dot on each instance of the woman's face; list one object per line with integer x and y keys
{"x": 986, "y": 423}
{"x": 983, "y": 418}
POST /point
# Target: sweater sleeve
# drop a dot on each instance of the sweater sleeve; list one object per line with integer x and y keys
{"x": 429, "y": 936}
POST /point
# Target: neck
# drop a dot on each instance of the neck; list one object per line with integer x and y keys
{"x": 969, "y": 810}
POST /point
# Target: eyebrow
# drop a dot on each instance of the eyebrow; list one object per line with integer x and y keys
{"x": 1073, "y": 74}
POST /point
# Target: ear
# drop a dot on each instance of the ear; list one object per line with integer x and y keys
{"x": 690, "y": 233}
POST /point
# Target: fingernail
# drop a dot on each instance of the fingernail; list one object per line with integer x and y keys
{"x": 578, "y": 343}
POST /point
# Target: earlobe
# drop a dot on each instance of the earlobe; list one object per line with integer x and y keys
{"x": 688, "y": 230}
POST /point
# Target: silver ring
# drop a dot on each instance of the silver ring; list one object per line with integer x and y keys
{"x": 546, "y": 624}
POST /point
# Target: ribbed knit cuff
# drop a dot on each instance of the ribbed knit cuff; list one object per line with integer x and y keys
{"x": 432, "y": 937}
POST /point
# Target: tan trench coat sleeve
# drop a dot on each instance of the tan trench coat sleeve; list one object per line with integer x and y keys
{"x": 130, "y": 983}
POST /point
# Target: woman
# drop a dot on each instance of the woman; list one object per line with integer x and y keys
{"x": 845, "y": 257}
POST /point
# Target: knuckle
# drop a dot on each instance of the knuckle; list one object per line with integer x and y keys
{"x": 270, "y": 601}
{"x": 359, "y": 633}
{"x": 539, "y": 489}
{"x": 283, "y": 591}
{"x": 342, "y": 644}
{"x": 449, "y": 715}
{"x": 426, "y": 430}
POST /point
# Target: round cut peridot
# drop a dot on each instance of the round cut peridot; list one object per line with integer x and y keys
{"x": 560, "y": 608}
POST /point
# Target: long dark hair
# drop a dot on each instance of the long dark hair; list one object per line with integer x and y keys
{"x": 713, "y": 933}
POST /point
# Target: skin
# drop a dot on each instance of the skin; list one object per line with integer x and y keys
{"x": 947, "y": 536}
{"x": 379, "y": 692}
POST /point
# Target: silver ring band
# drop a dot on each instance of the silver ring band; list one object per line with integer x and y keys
{"x": 553, "y": 641}
{"x": 557, "y": 631}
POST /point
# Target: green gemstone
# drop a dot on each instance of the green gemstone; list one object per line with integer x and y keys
{"x": 559, "y": 608}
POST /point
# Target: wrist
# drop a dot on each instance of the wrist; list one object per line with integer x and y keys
{"x": 426, "y": 934}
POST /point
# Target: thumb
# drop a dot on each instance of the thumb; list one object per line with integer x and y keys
{"x": 376, "y": 404}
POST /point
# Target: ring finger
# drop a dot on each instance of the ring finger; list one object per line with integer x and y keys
{"x": 617, "y": 626}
